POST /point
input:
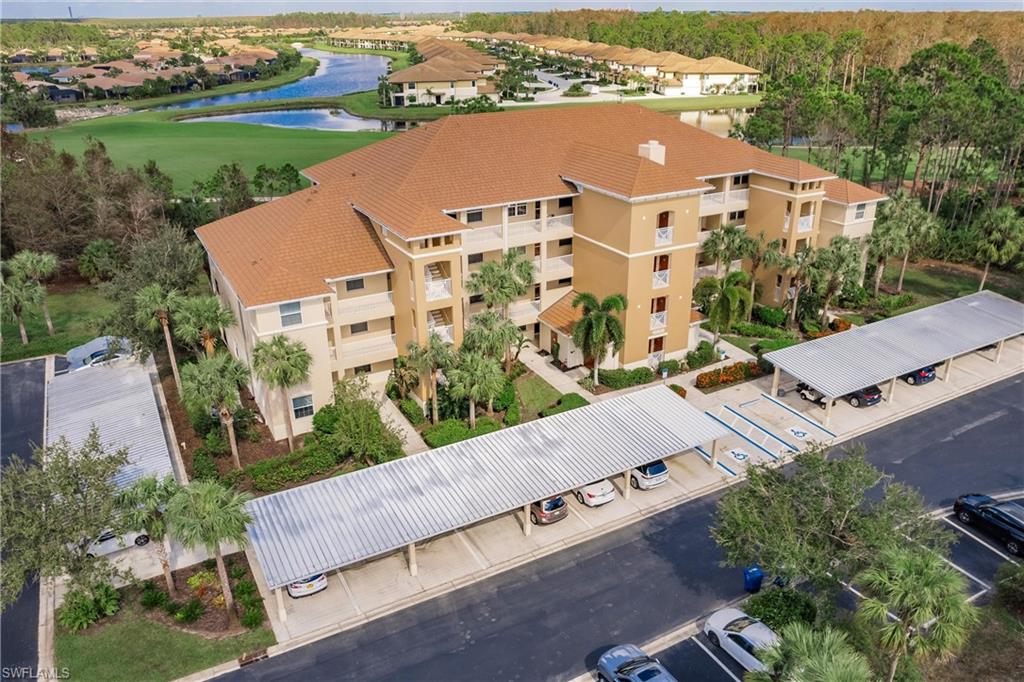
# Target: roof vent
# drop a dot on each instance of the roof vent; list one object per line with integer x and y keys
{"x": 653, "y": 150}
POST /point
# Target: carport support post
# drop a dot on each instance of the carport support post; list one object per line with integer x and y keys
{"x": 625, "y": 484}
{"x": 775, "y": 382}
{"x": 714, "y": 453}
{"x": 949, "y": 368}
{"x": 282, "y": 615}
{"x": 892, "y": 389}
{"x": 829, "y": 402}
{"x": 999, "y": 350}
{"x": 526, "y": 520}
{"x": 412, "y": 559}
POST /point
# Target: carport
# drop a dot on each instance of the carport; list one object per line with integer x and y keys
{"x": 334, "y": 523}
{"x": 882, "y": 352}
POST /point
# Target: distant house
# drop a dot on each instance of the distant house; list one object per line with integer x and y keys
{"x": 23, "y": 56}
{"x": 55, "y": 55}
{"x": 63, "y": 94}
{"x": 434, "y": 81}
{"x": 88, "y": 54}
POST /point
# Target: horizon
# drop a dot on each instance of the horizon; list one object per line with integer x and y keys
{"x": 215, "y": 9}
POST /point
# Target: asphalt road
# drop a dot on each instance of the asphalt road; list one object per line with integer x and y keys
{"x": 551, "y": 618}
{"x": 21, "y": 427}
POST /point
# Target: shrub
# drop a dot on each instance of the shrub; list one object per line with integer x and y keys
{"x": 853, "y": 295}
{"x": 730, "y": 374}
{"x": 575, "y": 90}
{"x": 840, "y": 325}
{"x": 761, "y": 330}
{"x": 78, "y": 612}
{"x": 190, "y": 611}
{"x": 769, "y": 315}
{"x": 216, "y": 443}
{"x": 519, "y": 368}
{"x": 237, "y": 572}
{"x": 705, "y": 290}
{"x": 1010, "y": 586}
{"x": 152, "y": 598}
{"x": 171, "y": 608}
{"x": 809, "y": 326}
{"x": 777, "y": 608}
{"x": 624, "y": 378}
{"x": 253, "y": 617}
{"x": 99, "y": 260}
{"x": 412, "y": 411}
{"x": 485, "y": 425}
{"x": 244, "y": 588}
{"x": 245, "y": 426}
{"x": 587, "y": 383}
{"x": 203, "y": 466}
{"x": 449, "y": 407}
{"x": 703, "y": 354}
{"x": 446, "y": 432}
{"x": 679, "y": 390}
{"x": 569, "y": 401}
{"x": 673, "y": 367}
{"x": 892, "y": 303}
{"x": 774, "y": 344}
{"x": 201, "y": 581}
{"x": 512, "y": 415}
{"x": 202, "y": 421}
{"x": 505, "y": 397}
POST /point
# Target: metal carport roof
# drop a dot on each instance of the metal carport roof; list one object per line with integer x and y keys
{"x": 374, "y": 511}
{"x": 841, "y": 363}
{"x": 118, "y": 398}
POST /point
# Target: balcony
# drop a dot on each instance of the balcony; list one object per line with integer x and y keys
{"x": 445, "y": 331}
{"x": 437, "y": 289}
{"x": 523, "y": 312}
{"x": 709, "y": 270}
{"x": 560, "y": 226}
{"x": 364, "y": 350}
{"x": 719, "y": 202}
{"x": 659, "y": 279}
{"x": 362, "y": 308}
{"x": 656, "y": 358}
{"x": 659, "y": 320}
{"x": 558, "y": 266}
{"x": 524, "y": 232}
{"x": 712, "y": 203}
{"x": 663, "y": 236}
{"x": 738, "y": 196}
{"x": 805, "y": 223}
{"x": 483, "y": 239}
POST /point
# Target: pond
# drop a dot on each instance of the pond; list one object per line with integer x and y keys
{"x": 337, "y": 74}
{"x": 718, "y": 121}
{"x": 316, "y": 119}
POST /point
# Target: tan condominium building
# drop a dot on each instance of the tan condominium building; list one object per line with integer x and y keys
{"x": 604, "y": 199}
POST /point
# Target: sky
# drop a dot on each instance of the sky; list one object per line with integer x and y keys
{"x": 48, "y": 9}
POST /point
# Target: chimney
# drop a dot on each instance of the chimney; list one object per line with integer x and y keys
{"x": 652, "y": 150}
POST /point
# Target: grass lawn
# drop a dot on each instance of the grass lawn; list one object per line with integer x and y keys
{"x": 992, "y": 652}
{"x": 131, "y": 647}
{"x": 193, "y": 151}
{"x": 535, "y": 394}
{"x": 75, "y": 316}
{"x": 399, "y": 60}
{"x": 744, "y": 342}
{"x": 932, "y": 282}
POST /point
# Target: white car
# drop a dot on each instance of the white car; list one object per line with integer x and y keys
{"x": 740, "y": 635}
{"x": 109, "y": 542}
{"x": 595, "y": 494}
{"x": 307, "y": 586}
{"x": 650, "y": 475}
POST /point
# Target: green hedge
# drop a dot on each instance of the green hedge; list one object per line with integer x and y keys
{"x": 412, "y": 411}
{"x": 777, "y": 608}
{"x": 453, "y": 430}
{"x": 761, "y": 330}
{"x": 703, "y": 354}
{"x": 203, "y": 466}
{"x": 506, "y": 397}
{"x": 769, "y": 315}
{"x": 624, "y": 378}
{"x": 569, "y": 401}
{"x": 270, "y": 475}
{"x": 673, "y": 367}
{"x": 512, "y": 414}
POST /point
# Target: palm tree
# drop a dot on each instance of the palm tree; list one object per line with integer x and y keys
{"x": 888, "y": 238}
{"x": 214, "y": 382}
{"x": 598, "y": 327}
{"x": 834, "y": 265}
{"x": 199, "y": 320}
{"x": 206, "y": 513}
{"x": 919, "y": 226}
{"x": 730, "y": 303}
{"x": 808, "y": 655}
{"x": 144, "y": 509}
{"x": 37, "y": 267}
{"x": 1002, "y": 238}
{"x": 16, "y": 295}
{"x": 403, "y": 377}
{"x": 502, "y": 281}
{"x": 428, "y": 359}
{"x": 477, "y": 378}
{"x": 798, "y": 266}
{"x": 493, "y": 335}
{"x": 282, "y": 363}
{"x": 153, "y": 306}
{"x": 761, "y": 252}
{"x": 926, "y": 596}
{"x": 727, "y": 243}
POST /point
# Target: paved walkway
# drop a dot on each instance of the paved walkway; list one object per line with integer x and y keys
{"x": 562, "y": 381}
{"x": 413, "y": 442}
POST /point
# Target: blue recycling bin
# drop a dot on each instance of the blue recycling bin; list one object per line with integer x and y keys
{"x": 753, "y": 576}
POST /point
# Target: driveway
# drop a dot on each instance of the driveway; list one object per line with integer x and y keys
{"x": 21, "y": 427}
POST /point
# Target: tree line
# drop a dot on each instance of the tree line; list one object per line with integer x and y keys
{"x": 18, "y": 35}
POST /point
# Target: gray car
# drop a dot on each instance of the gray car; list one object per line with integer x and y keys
{"x": 628, "y": 663}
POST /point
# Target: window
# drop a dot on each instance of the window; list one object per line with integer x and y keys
{"x": 355, "y": 284}
{"x": 362, "y": 369}
{"x": 737, "y": 215}
{"x": 451, "y": 84}
{"x": 741, "y": 180}
{"x": 358, "y": 328}
{"x": 564, "y": 202}
{"x": 475, "y": 258}
{"x": 472, "y": 84}
{"x": 291, "y": 314}
{"x": 302, "y": 406}
{"x": 565, "y": 242}
{"x": 411, "y": 86}
{"x": 665, "y": 219}
{"x": 565, "y": 281}
{"x": 474, "y": 216}
{"x": 858, "y": 212}
{"x": 516, "y": 210}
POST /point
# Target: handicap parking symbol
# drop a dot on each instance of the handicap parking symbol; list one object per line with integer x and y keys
{"x": 798, "y": 432}
{"x": 738, "y": 454}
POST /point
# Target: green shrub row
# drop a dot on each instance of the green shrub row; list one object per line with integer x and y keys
{"x": 703, "y": 354}
{"x": 512, "y": 414}
{"x": 273, "y": 474}
{"x": 624, "y": 378}
{"x": 769, "y": 315}
{"x": 892, "y": 303}
{"x": 412, "y": 411}
{"x": 569, "y": 401}
{"x": 673, "y": 366}
{"x": 761, "y": 330}
{"x": 203, "y": 466}
{"x": 451, "y": 431}
{"x": 506, "y": 397}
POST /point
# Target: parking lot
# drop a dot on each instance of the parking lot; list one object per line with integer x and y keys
{"x": 698, "y": 660}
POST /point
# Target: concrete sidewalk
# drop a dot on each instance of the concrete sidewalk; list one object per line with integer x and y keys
{"x": 563, "y": 382}
{"x": 413, "y": 441}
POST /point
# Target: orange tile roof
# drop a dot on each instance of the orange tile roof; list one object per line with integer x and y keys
{"x": 285, "y": 249}
{"x": 697, "y": 316}
{"x": 434, "y": 69}
{"x": 843, "y": 191}
{"x": 560, "y": 315}
{"x": 711, "y": 65}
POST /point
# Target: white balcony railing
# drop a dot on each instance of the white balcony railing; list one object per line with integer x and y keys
{"x": 659, "y": 279}
{"x": 738, "y": 196}
{"x": 437, "y": 289}
{"x": 482, "y": 238}
{"x": 524, "y": 229}
{"x": 557, "y": 221}
{"x": 805, "y": 223}
{"x": 558, "y": 264}
{"x": 363, "y": 350}
{"x": 663, "y": 236}
{"x": 445, "y": 331}
{"x": 525, "y": 310}
{"x": 656, "y": 358}
{"x": 713, "y": 198}
{"x": 659, "y": 320}
{"x": 362, "y": 308}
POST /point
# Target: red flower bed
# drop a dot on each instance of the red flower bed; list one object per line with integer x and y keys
{"x": 730, "y": 374}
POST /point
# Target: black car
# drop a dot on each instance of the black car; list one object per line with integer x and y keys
{"x": 920, "y": 376}
{"x": 872, "y": 395}
{"x": 1003, "y": 521}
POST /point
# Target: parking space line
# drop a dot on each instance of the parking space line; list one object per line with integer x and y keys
{"x": 756, "y": 445}
{"x": 704, "y": 453}
{"x": 348, "y": 591}
{"x": 799, "y": 414}
{"x": 757, "y": 426}
{"x": 975, "y": 596}
{"x": 969, "y": 534}
{"x": 574, "y": 512}
{"x": 480, "y": 561}
{"x": 974, "y": 578}
{"x": 715, "y": 659}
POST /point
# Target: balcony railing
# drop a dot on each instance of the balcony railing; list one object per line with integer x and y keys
{"x": 437, "y": 289}
{"x": 558, "y": 264}
{"x": 369, "y": 307}
{"x": 663, "y": 236}
{"x": 659, "y": 320}
{"x": 367, "y": 349}
{"x": 715, "y": 198}
{"x": 525, "y": 228}
{"x": 482, "y": 238}
{"x": 557, "y": 221}
{"x": 525, "y": 310}
{"x": 656, "y": 358}
{"x": 445, "y": 331}
{"x": 738, "y": 195}
{"x": 805, "y": 223}
{"x": 659, "y": 279}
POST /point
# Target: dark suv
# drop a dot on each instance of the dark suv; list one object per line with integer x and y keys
{"x": 872, "y": 395}
{"x": 1003, "y": 521}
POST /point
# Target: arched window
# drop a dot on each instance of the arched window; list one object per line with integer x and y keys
{"x": 666, "y": 219}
